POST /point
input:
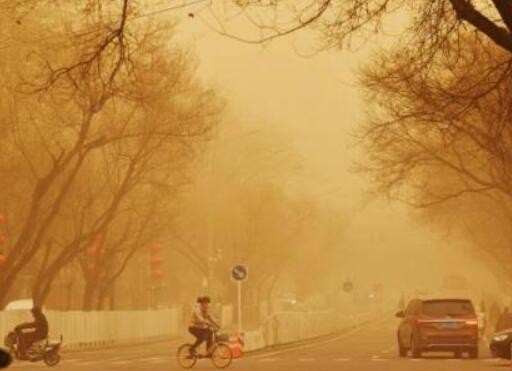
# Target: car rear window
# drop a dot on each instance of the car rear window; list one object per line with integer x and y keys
{"x": 442, "y": 308}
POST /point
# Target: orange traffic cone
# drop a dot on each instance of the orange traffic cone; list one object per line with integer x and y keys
{"x": 236, "y": 344}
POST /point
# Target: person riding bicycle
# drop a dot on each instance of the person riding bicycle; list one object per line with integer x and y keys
{"x": 32, "y": 332}
{"x": 201, "y": 325}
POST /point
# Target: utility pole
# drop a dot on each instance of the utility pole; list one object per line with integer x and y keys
{"x": 209, "y": 218}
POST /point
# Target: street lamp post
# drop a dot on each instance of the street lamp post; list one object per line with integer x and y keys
{"x": 156, "y": 262}
{"x": 213, "y": 259}
{"x": 3, "y": 241}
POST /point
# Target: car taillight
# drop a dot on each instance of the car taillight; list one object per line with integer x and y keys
{"x": 472, "y": 322}
{"x": 423, "y": 322}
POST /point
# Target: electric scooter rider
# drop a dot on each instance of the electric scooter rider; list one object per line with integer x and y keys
{"x": 31, "y": 332}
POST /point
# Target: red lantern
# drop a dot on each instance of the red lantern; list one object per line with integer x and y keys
{"x": 91, "y": 268}
{"x": 98, "y": 239}
{"x": 157, "y": 275}
{"x": 156, "y": 248}
{"x": 156, "y": 262}
{"x": 92, "y": 252}
{"x": 3, "y": 239}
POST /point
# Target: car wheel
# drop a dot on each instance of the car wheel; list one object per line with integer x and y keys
{"x": 402, "y": 352}
{"x": 473, "y": 353}
{"x": 415, "y": 348}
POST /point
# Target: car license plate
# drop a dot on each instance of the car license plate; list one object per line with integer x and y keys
{"x": 449, "y": 325}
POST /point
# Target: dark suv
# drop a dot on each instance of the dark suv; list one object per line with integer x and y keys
{"x": 438, "y": 325}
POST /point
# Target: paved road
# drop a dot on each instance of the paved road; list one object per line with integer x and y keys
{"x": 366, "y": 349}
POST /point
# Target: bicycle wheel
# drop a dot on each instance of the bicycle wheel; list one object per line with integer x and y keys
{"x": 222, "y": 356}
{"x": 185, "y": 359}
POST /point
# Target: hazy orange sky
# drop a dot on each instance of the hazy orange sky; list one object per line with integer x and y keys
{"x": 315, "y": 104}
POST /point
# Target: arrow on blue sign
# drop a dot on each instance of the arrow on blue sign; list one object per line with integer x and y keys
{"x": 239, "y": 272}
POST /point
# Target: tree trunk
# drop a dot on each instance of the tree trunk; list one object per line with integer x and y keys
{"x": 88, "y": 298}
{"x": 112, "y": 298}
{"x": 69, "y": 295}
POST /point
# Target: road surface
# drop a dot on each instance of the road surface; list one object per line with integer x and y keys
{"x": 367, "y": 348}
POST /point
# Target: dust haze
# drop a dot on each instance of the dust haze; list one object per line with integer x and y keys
{"x": 293, "y": 119}
{"x": 299, "y": 171}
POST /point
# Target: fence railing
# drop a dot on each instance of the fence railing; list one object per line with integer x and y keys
{"x": 96, "y": 329}
{"x": 91, "y": 329}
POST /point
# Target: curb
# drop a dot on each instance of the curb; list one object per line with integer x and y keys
{"x": 112, "y": 344}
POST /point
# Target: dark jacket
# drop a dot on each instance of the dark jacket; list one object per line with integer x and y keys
{"x": 39, "y": 326}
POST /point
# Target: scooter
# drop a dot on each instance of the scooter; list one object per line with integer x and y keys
{"x": 45, "y": 350}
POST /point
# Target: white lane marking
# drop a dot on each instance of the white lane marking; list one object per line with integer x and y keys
{"x": 306, "y": 359}
{"x": 342, "y": 359}
{"x": 493, "y": 360}
{"x": 377, "y": 358}
{"x": 88, "y": 363}
{"x": 314, "y": 344}
{"x": 156, "y": 360}
{"x": 119, "y": 363}
{"x": 110, "y": 359}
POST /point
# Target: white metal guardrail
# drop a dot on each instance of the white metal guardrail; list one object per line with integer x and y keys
{"x": 94, "y": 329}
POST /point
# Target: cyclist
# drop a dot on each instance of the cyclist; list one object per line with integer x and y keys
{"x": 201, "y": 325}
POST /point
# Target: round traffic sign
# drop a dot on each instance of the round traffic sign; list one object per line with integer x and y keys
{"x": 239, "y": 272}
{"x": 348, "y": 286}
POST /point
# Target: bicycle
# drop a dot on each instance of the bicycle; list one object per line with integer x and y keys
{"x": 221, "y": 354}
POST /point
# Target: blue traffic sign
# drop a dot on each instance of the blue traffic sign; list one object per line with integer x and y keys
{"x": 239, "y": 272}
{"x": 348, "y": 286}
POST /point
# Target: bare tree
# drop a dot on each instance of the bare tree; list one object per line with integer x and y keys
{"x": 427, "y": 127}
{"x": 114, "y": 94}
{"x": 440, "y": 141}
{"x": 432, "y": 23}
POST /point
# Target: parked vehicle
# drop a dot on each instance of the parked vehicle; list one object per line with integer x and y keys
{"x": 500, "y": 344}
{"x": 21, "y": 304}
{"x": 449, "y": 325}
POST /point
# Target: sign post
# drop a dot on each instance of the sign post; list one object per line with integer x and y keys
{"x": 239, "y": 274}
{"x": 239, "y": 290}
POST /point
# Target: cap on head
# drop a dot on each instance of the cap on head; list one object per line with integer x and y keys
{"x": 204, "y": 300}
